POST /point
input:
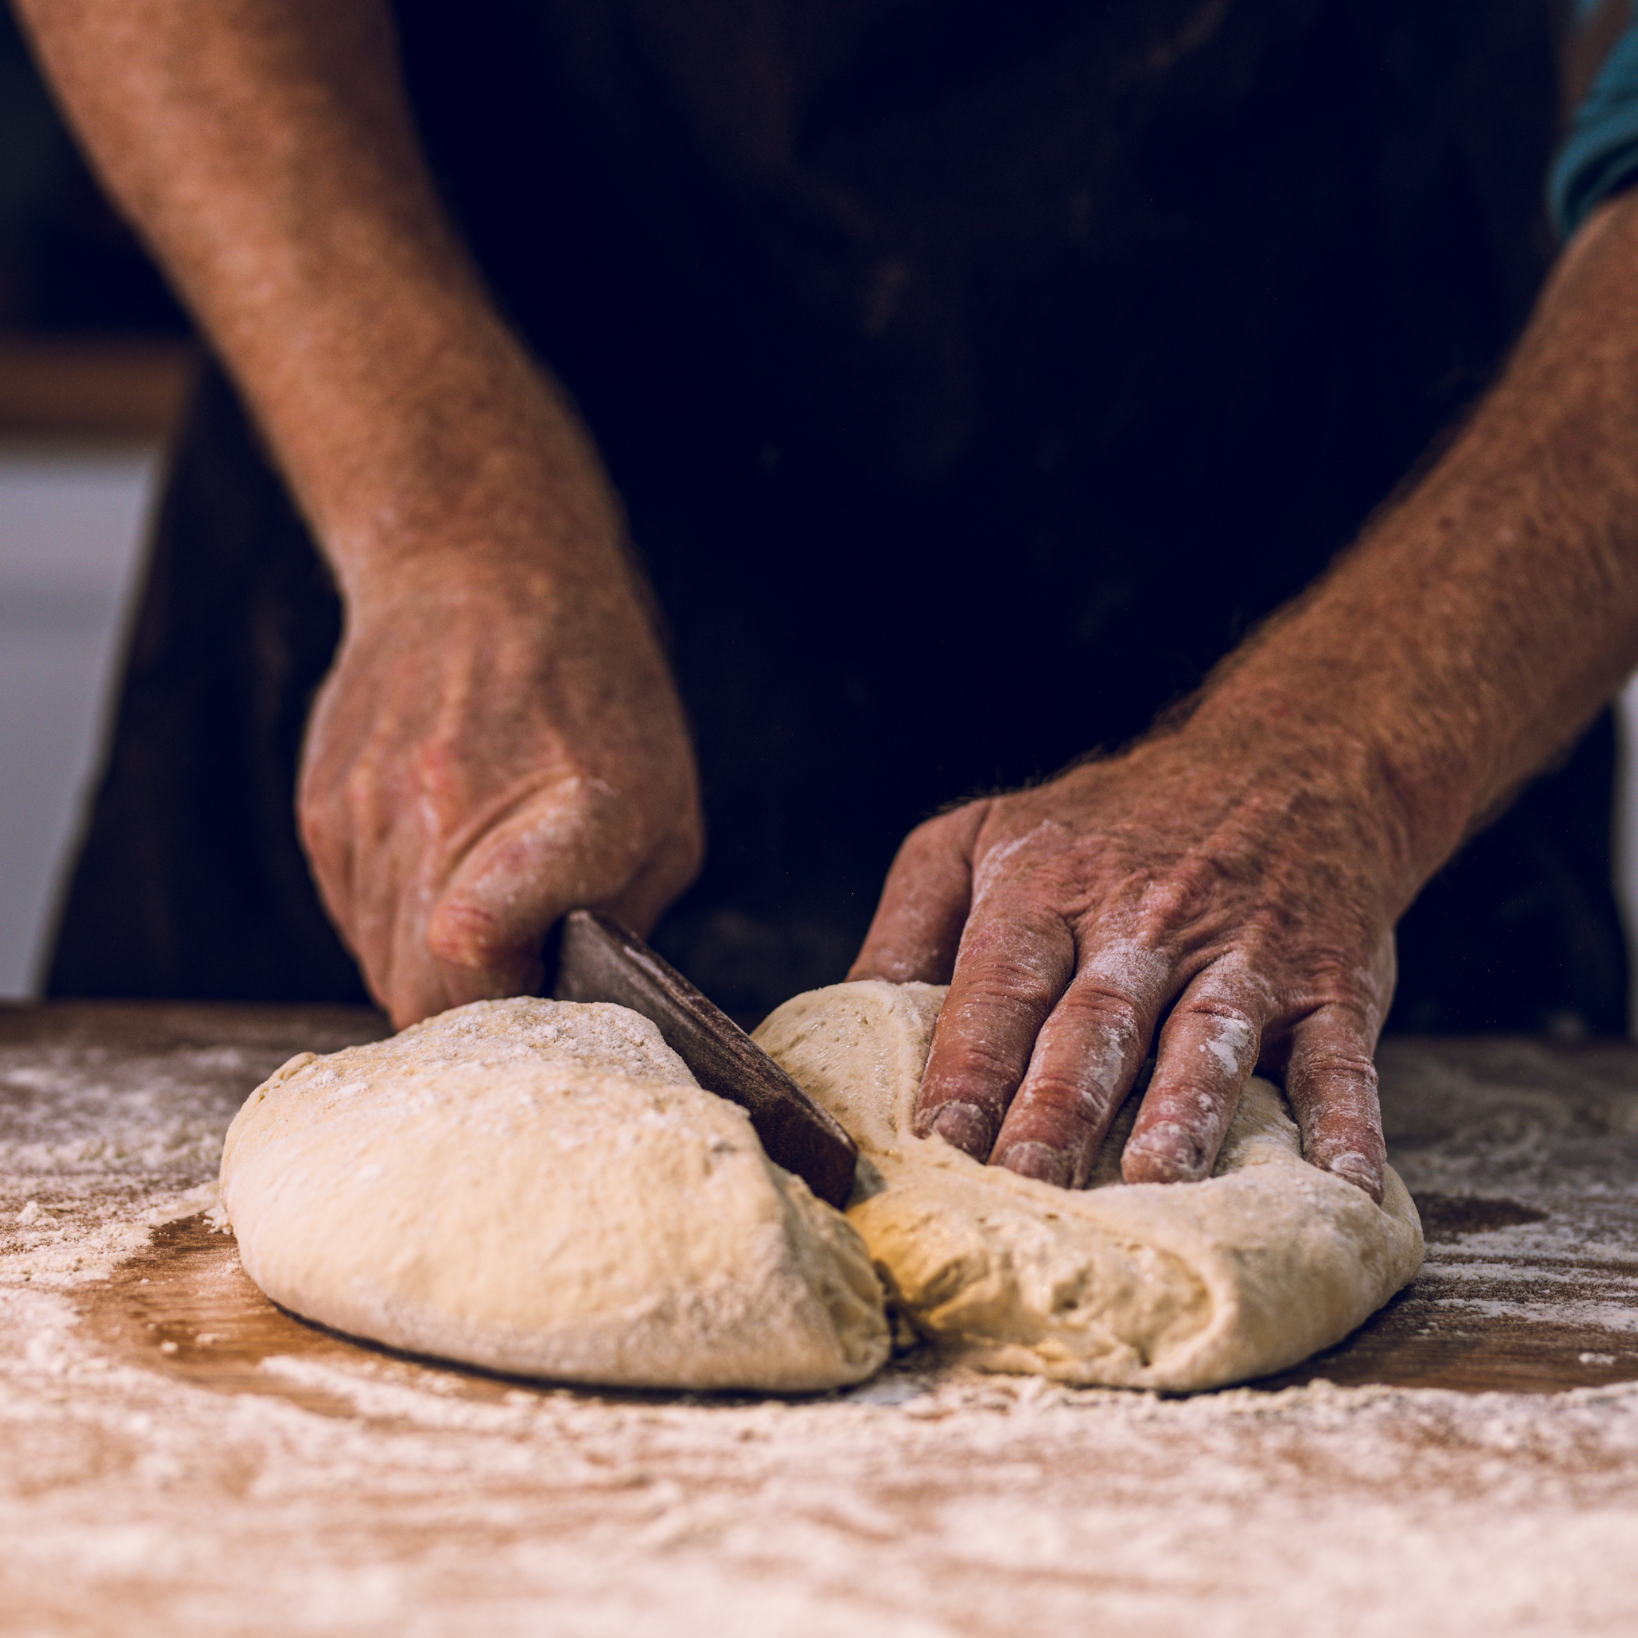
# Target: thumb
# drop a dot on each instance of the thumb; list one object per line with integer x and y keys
{"x": 929, "y": 889}
{"x": 490, "y": 921}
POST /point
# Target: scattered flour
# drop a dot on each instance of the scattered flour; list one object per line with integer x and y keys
{"x": 926, "y": 1504}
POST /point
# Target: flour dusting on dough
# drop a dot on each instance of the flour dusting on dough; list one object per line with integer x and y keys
{"x": 1177, "y": 1286}
{"x": 540, "y": 1187}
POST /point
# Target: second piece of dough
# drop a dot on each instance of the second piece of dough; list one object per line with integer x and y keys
{"x": 1171, "y": 1286}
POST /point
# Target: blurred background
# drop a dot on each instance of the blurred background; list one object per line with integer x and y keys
{"x": 96, "y": 360}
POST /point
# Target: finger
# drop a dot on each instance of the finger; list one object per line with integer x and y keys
{"x": 916, "y": 930}
{"x": 326, "y": 785}
{"x": 415, "y": 985}
{"x": 369, "y": 912}
{"x": 392, "y": 904}
{"x": 1331, "y": 1085}
{"x": 643, "y": 901}
{"x": 487, "y": 927}
{"x": 1086, "y": 1057}
{"x": 1014, "y": 963}
{"x": 1208, "y": 1050}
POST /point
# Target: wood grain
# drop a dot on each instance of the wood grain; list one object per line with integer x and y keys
{"x": 1428, "y": 1337}
{"x": 185, "y": 1308}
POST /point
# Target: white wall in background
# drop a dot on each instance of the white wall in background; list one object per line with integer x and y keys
{"x": 71, "y": 527}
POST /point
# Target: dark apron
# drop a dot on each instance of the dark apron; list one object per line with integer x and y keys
{"x": 975, "y": 375}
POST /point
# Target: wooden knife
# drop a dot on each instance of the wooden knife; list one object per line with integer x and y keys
{"x": 599, "y": 960}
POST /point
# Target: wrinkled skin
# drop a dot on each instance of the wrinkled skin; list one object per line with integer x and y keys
{"x": 476, "y": 766}
{"x": 1225, "y": 893}
{"x": 1233, "y": 910}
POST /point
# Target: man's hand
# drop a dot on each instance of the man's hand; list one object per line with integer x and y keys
{"x": 1235, "y": 907}
{"x": 499, "y": 739}
{"x": 1224, "y": 894}
{"x": 479, "y": 762}
{"x": 1242, "y": 871}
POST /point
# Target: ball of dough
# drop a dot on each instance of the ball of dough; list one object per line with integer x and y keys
{"x": 540, "y": 1187}
{"x": 1174, "y": 1286}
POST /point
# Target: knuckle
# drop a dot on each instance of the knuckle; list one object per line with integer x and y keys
{"x": 972, "y": 1072}
{"x": 1103, "y": 1000}
{"x": 1344, "y": 1089}
{"x": 1336, "y": 983}
{"x": 1067, "y": 1102}
{"x": 1334, "y": 1044}
{"x": 944, "y": 832}
{"x": 1003, "y": 1000}
{"x": 1209, "y": 1043}
{"x": 465, "y": 935}
{"x": 1182, "y": 897}
{"x": 357, "y": 793}
{"x": 1025, "y": 920}
{"x": 1107, "y": 1015}
{"x": 935, "y": 832}
{"x": 1333, "y": 1064}
{"x": 979, "y": 1066}
{"x": 1007, "y": 977}
{"x": 315, "y": 821}
{"x": 1209, "y": 1009}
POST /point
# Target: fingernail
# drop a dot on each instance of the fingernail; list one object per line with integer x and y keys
{"x": 1357, "y": 1169}
{"x": 1038, "y": 1161}
{"x": 1167, "y": 1153}
{"x": 966, "y": 1127}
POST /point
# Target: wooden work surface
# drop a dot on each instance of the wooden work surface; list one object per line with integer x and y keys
{"x": 133, "y": 1348}
{"x": 1530, "y": 1285}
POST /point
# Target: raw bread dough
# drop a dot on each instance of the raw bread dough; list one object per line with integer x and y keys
{"x": 1175, "y": 1286}
{"x": 541, "y": 1187}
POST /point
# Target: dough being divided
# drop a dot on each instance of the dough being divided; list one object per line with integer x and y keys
{"x": 1172, "y": 1286}
{"x": 541, "y": 1187}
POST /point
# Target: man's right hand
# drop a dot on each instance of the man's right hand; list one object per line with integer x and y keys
{"x": 479, "y": 761}
{"x": 499, "y": 739}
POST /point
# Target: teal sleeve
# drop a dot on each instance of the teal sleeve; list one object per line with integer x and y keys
{"x": 1600, "y": 154}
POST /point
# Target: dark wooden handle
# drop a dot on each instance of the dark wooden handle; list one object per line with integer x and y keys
{"x": 599, "y": 960}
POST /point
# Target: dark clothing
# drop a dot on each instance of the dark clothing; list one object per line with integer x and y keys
{"x": 974, "y": 375}
{"x": 191, "y": 881}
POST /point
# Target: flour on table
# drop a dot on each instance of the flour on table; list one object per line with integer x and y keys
{"x": 1172, "y": 1286}
{"x": 541, "y": 1187}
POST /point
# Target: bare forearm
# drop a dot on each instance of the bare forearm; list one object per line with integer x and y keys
{"x": 1484, "y": 618}
{"x": 498, "y": 739}
{"x": 265, "y": 150}
{"x": 1226, "y": 891}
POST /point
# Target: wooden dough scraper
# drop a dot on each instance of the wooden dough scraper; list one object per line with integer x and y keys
{"x": 598, "y": 960}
